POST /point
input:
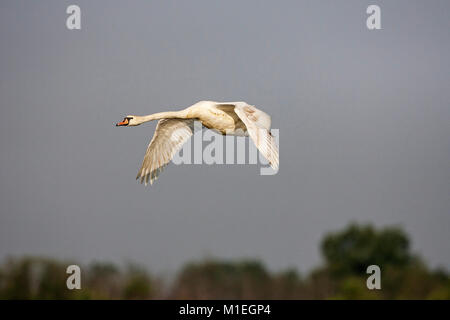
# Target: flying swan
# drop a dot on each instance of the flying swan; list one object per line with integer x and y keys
{"x": 174, "y": 128}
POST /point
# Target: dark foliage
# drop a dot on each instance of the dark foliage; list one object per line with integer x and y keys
{"x": 343, "y": 276}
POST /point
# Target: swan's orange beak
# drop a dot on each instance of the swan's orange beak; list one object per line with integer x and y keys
{"x": 123, "y": 123}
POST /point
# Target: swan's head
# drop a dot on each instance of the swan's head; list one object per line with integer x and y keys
{"x": 129, "y": 121}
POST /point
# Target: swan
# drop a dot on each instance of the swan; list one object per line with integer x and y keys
{"x": 174, "y": 128}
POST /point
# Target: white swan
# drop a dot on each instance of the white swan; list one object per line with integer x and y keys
{"x": 176, "y": 127}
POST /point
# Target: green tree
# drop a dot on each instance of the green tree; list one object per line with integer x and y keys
{"x": 352, "y": 250}
{"x": 213, "y": 279}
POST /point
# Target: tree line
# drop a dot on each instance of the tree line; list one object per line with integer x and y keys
{"x": 346, "y": 254}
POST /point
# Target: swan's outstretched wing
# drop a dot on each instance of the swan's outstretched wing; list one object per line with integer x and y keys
{"x": 258, "y": 127}
{"x": 170, "y": 135}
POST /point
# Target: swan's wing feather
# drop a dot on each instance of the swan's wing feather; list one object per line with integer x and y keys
{"x": 170, "y": 135}
{"x": 259, "y": 117}
{"x": 258, "y": 127}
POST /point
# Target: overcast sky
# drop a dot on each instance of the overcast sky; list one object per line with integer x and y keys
{"x": 363, "y": 118}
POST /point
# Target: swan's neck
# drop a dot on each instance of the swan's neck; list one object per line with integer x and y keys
{"x": 164, "y": 115}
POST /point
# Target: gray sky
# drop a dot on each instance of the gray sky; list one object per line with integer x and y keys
{"x": 363, "y": 118}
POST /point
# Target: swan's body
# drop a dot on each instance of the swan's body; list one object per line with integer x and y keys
{"x": 176, "y": 127}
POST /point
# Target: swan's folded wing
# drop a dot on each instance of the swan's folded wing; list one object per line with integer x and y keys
{"x": 258, "y": 126}
{"x": 260, "y": 118}
{"x": 170, "y": 135}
